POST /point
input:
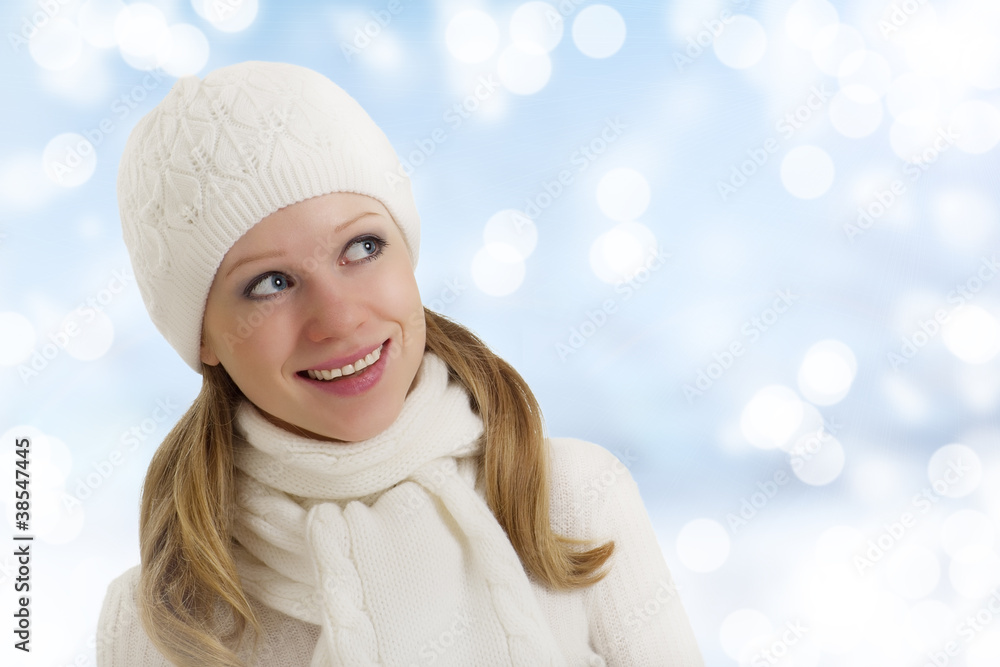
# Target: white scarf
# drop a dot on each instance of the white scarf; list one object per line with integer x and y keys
{"x": 385, "y": 543}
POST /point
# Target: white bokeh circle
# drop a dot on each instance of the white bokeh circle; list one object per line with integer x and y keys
{"x": 954, "y": 470}
{"x": 51, "y": 520}
{"x": 24, "y": 185}
{"x": 69, "y": 159}
{"x": 742, "y": 42}
{"x": 57, "y": 45}
{"x": 742, "y": 628}
{"x": 833, "y": 44}
{"x": 472, "y": 36}
{"x": 854, "y": 119}
{"x": 512, "y": 228}
{"x": 97, "y": 22}
{"x": 227, "y": 15}
{"x": 913, "y": 571}
{"x": 839, "y": 544}
{"x": 771, "y": 417}
{"x": 972, "y": 334}
{"x": 806, "y": 18}
{"x": 523, "y": 73}
{"x": 51, "y": 460}
{"x": 977, "y": 124}
{"x": 188, "y": 51}
{"x": 536, "y": 27}
{"x": 17, "y": 338}
{"x": 822, "y": 466}
{"x": 624, "y": 252}
{"x": 827, "y": 372}
{"x": 142, "y": 34}
{"x": 913, "y": 135}
{"x": 864, "y": 76}
{"x": 965, "y": 218}
{"x": 913, "y": 92}
{"x": 95, "y": 333}
{"x": 807, "y": 172}
{"x": 974, "y": 572}
{"x": 980, "y": 64}
{"x": 967, "y": 528}
{"x": 497, "y": 269}
{"x": 933, "y": 621}
{"x": 599, "y": 31}
{"x": 703, "y": 545}
{"x": 623, "y": 194}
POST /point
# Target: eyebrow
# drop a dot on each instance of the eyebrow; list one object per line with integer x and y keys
{"x": 271, "y": 254}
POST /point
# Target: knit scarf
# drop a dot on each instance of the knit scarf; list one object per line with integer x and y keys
{"x": 385, "y": 543}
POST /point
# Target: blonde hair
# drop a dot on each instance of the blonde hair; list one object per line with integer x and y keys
{"x": 191, "y": 602}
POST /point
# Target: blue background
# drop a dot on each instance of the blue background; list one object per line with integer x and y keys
{"x": 607, "y": 355}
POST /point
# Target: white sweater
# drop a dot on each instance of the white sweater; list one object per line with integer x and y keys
{"x": 632, "y": 617}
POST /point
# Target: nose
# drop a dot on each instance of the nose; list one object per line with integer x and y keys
{"x": 334, "y": 306}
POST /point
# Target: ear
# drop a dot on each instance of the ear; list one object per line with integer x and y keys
{"x": 207, "y": 354}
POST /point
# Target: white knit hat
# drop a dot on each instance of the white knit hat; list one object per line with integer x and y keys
{"x": 218, "y": 155}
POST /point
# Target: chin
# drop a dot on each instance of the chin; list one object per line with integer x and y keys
{"x": 368, "y": 427}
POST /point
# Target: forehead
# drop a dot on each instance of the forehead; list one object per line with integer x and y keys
{"x": 326, "y": 215}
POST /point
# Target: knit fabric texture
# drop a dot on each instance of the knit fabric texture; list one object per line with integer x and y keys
{"x": 384, "y": 543}
{"x": 218, "y": 155}
{"x": 632, "y": 618}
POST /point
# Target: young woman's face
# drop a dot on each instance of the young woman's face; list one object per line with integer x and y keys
{"x": 316, "y": 286}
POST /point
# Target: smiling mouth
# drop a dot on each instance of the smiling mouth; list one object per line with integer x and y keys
{"x": 350, "y": 369}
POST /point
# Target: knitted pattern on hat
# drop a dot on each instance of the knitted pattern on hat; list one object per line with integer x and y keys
{"x": 217, "y": 155}
{"x": 385, "y": 543}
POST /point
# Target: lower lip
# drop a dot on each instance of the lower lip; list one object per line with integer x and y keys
{"x": 354, "y": 384}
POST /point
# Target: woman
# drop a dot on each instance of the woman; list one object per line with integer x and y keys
{"x": 360, "y": 481}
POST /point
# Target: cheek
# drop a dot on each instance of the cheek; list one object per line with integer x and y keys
{"x": 398, "y": 300}
{"x": 248, "y": 339}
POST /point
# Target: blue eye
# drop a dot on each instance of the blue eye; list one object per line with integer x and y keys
{"x": 267, "y": 285}
{"x": 372, "y": 245}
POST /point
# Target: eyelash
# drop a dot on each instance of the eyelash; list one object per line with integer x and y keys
{"x": 379, "y": 241}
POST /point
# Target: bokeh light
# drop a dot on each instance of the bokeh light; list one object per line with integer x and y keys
{"x": 143, "y": 35}
{"x": 523, "y": 72}
{"x": 624, "y": 252}
{"x": 806, "y": 18}
{"x": 563, "y": 148}
{"x": 188, "y": 50}
{"x": 57, "y": 45}
{"x": 512, "y": 228}
{"x": 972, "y": 334}
{"x": 703, "y": 545}
{"x": 954, "y": 470}
{"x": 742, "y": 43}
{"x": 497, "y": 269}
{"x": 70, "y": 159}
{"x": 536, "y": 27}
{"x": 17, "y": 338}
{"x": 977, "y": 124}
{"x": 965, "y": 529}
{"x": 97, "y": 22}
{"x": 599, "y": 31}
{"x": 623, "y": 194}
{"x": 827, "y": 372}
{"x": 472, "y": 36}
{"x": 771, "y": 417}
{"x": 807, "y": 172}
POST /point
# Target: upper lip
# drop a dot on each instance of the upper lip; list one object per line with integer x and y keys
{"x": 340, "y": 362}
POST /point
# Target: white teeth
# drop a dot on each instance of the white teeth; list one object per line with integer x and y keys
{"x": 358, "y": 365}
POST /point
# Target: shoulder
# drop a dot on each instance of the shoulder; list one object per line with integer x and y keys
{"x": 587, "y": 481}
{"x": 595, "y": 498}
{"x": 119, "y": 601}
{"x": 121, "y": 639}
{"x": 574, "y": 460}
